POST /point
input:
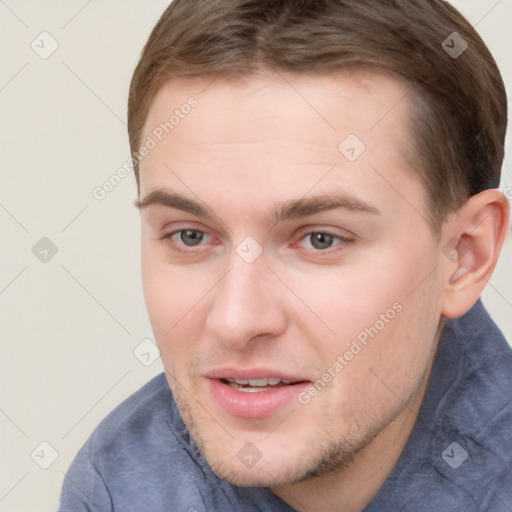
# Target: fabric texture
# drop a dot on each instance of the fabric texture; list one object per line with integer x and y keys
{"x": 459, "y": 455}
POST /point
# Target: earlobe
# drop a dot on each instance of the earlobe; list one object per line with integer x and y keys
{"x": 476, "y": 237}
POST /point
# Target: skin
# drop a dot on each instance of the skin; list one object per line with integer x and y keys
{"x": 249, "y": 147}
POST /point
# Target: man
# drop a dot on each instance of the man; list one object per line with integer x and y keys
{"x": 318, "y": 190}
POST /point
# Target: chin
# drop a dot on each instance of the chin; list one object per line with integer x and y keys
{"x": 260, "y": 475}
{"x": 277, "y": 466}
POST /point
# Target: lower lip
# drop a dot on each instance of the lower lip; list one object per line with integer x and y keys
{"x": 256, "y": 404}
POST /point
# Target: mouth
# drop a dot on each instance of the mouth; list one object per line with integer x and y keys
{"x": 256, "y": 397}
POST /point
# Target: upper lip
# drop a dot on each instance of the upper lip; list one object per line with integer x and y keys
{"x": 251, "y": 373}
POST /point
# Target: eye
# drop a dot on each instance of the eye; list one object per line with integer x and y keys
{"x": 187, "y": 237}
{"x": 321, "y": 241}
{"x": 190, "y": 237}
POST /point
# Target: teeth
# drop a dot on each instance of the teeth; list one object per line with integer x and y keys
{"x": 259, "y": 383}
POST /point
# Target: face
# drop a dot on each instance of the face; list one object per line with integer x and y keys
{"x": 289, "y": 272}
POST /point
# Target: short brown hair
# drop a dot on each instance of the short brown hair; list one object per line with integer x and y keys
{"x": 459, "y": 101}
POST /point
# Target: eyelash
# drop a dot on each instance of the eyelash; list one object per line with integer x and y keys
{"x": 168, "y": 238}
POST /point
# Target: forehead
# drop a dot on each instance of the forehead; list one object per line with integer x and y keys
{"x": 320, "y": 100}
{"x": 275, "y": 132}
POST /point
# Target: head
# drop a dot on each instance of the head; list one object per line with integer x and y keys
{"x": 323, "y": 198}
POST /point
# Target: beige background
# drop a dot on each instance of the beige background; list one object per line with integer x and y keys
{"x": 70, "y": 325}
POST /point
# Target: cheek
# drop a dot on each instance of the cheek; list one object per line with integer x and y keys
{"x": 347, "y": 300}
{"x": 354, "y": 295}
{"x": 175, "y": 302}
{"x": 384, "y": 325}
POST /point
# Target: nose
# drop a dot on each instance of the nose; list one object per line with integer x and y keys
{"x": 247, "y": 306}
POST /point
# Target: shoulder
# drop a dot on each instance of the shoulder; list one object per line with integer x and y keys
{"x": 473, "y": 443}
{"x": 148, "y": 420}
{"x": 152, "y": 402}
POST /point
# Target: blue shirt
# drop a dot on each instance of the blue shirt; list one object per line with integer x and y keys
{"x": 141, "y": 457}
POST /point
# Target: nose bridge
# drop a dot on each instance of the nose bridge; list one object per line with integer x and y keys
{"x": 243, "y": 276}
{"x": 244, "y": 306}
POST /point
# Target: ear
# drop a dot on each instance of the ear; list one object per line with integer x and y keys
{"x": 471, "y": 243}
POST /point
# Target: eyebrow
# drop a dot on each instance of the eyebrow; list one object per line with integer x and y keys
{"x": 170, "y": 200}
{"x": 289, "y": 210}
{"x": 305, "y": 207}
